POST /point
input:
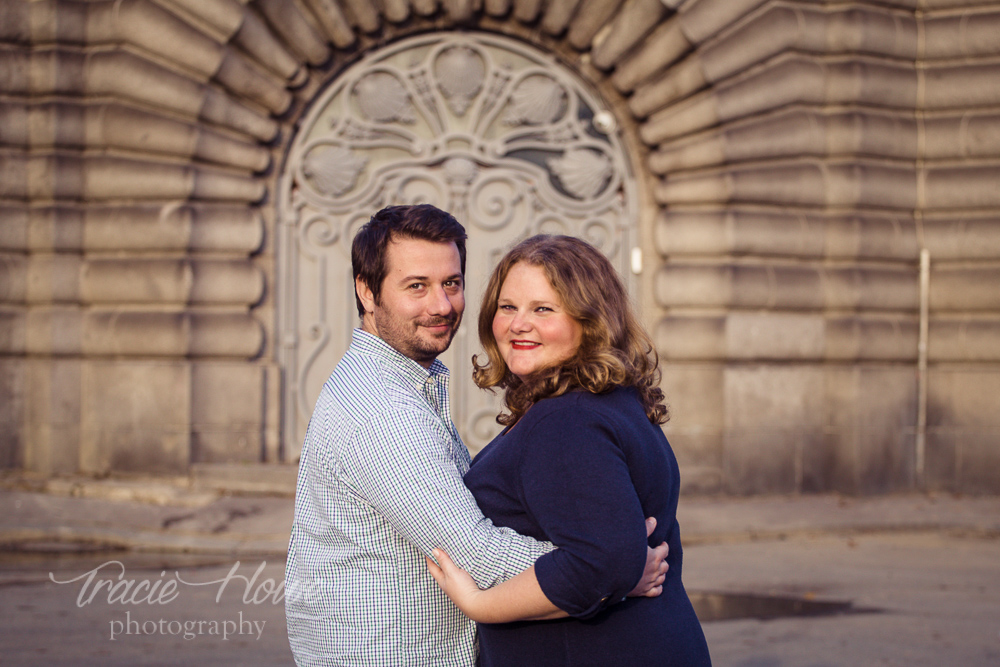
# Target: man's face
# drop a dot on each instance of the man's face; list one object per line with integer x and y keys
{"x": 422, "y": 300}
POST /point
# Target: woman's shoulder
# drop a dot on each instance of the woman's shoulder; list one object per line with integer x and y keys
{"x": 572, "y": 405}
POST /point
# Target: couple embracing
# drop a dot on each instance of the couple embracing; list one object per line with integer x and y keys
{"x": 400, "y": 544}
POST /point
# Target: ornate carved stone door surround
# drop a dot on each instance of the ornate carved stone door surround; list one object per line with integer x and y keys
{"x": 486, "y": 127}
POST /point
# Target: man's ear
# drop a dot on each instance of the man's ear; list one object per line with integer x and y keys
{"x": 364, "y": 294}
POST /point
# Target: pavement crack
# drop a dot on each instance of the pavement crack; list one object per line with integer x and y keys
{"x": 171, "y": 520}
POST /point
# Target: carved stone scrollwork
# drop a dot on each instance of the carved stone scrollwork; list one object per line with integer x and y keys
{"x": 483, "y": 126}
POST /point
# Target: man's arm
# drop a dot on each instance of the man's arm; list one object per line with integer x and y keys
{"x": 412, "y": 481}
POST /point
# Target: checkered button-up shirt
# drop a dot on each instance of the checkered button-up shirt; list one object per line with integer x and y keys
{"x": 380, "y": 485}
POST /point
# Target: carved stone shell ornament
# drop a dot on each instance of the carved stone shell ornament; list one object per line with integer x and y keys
{"x": 460, "y": 170}
{"x": 535, "y": 101}
{"x": 334, "y": 170}
{"x": 460, "y": 73}
{"x": 582, "y": 172}
{"x": 383, "y": 98}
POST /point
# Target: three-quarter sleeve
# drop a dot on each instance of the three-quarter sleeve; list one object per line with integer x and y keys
{"x": 577, "y": 486}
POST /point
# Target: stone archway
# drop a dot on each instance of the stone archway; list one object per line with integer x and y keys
{"x": 484, "y": 126}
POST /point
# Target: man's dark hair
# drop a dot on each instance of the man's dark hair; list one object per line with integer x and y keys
{"x": 419, "y": 221}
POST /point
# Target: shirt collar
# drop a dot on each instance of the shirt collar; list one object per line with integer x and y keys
{"x": 371, "y": 344}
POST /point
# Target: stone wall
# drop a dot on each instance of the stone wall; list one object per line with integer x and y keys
{"x": 797, "y": 157}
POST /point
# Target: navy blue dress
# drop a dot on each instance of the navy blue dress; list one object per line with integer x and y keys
{"x": 583, "y": 471}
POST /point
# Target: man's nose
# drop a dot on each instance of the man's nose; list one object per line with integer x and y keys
{"x": 439, "y": 303}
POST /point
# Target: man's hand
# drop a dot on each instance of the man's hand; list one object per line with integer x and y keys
{"x": 651, "y": 583}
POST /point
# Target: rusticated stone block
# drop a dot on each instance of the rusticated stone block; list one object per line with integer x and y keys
{"x": 965, "y": 289}
{"x": 12, "y": 441}
{"x": 772, "y": 416}
{"x": 887, "y": 416}
{"x": 679, "y": 337}
{"x": 136, "y": 417}
{"x": 783, "y": 286}
{"x": 964, "y": 339}
{"x": 13, "y": 328}
{"x": 52, "y": 415}
{"x": 746, "y": 231}
{"x": 832, "y": 464}
{"x": 775, "y": 336}
{"x": 963, "y": 429}
{"x": 695, "y": 398}
{"x": 967, "y": 237}
{"x": 227, "y": 413}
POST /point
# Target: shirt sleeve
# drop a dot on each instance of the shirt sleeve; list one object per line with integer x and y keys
{"x": 402, "y": 466}
{"x": 576, "y": 484}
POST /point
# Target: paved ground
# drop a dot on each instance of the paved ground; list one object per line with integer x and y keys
{"x": 915, "y": 577}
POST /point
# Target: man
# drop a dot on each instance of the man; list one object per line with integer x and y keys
{"x": 380, "y": 475}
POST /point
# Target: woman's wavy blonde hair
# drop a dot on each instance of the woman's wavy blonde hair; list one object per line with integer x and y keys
{"x": 615, "y": 349}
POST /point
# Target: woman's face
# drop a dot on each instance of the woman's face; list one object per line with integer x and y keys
{"x": 531, "y": 325}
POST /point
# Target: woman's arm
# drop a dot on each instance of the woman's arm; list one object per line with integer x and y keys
{"x": 521, "y": 598}
{"x": 517, "y": 599}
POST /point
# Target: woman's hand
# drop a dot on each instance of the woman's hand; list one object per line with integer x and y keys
{"x": 655, "y": 573}
{"x": 455, "y": 582}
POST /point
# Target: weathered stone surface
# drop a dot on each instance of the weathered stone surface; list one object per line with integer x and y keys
{"x": 170, "y": 281}
{"x": 591, "y": 16}
{"x": 745, "y": 231}
{"x": 124, "y": 333}
{"x": 126, "y": 76}
{"x": 136, "y": 416}
{"x": 782, "y": 336}
{"x": 871, "y": 425}
{"x": 664, "y": 46}
{"x": 527, "y": 11}
{"x": 192, "y": 226}
{"x": 364, "y": 14}
{"x": 257, "y": 40}
{"x": 815, "y": 183}
{"x": 636, "y": 19}
{"x": 63, "y": 125}
{"x": 962, "y": 34}
{"x": 963, "y": 428}
{"x": 787, "y": 79}
{"x": 557, "y": 15}
{"x": 781, "y": 28}
{"x": 334, "y": 23}
{"x": 459, "y": 11}
{"x": 227, "y": 413}
{"x": 786, "y": 287}
{"x": 296, "y": 31}
{"x": 103, "y": 179}
{"x": 53, "y": 415}
{"x": 773, "y": 416}
{"x": 12, "y": 406}
{"x": 694, "y": 394}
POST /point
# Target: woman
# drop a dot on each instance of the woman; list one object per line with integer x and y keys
{"x": 581, "y": 462}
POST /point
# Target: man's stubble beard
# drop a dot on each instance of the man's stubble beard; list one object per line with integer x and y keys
{"x": 406, "y": 339}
